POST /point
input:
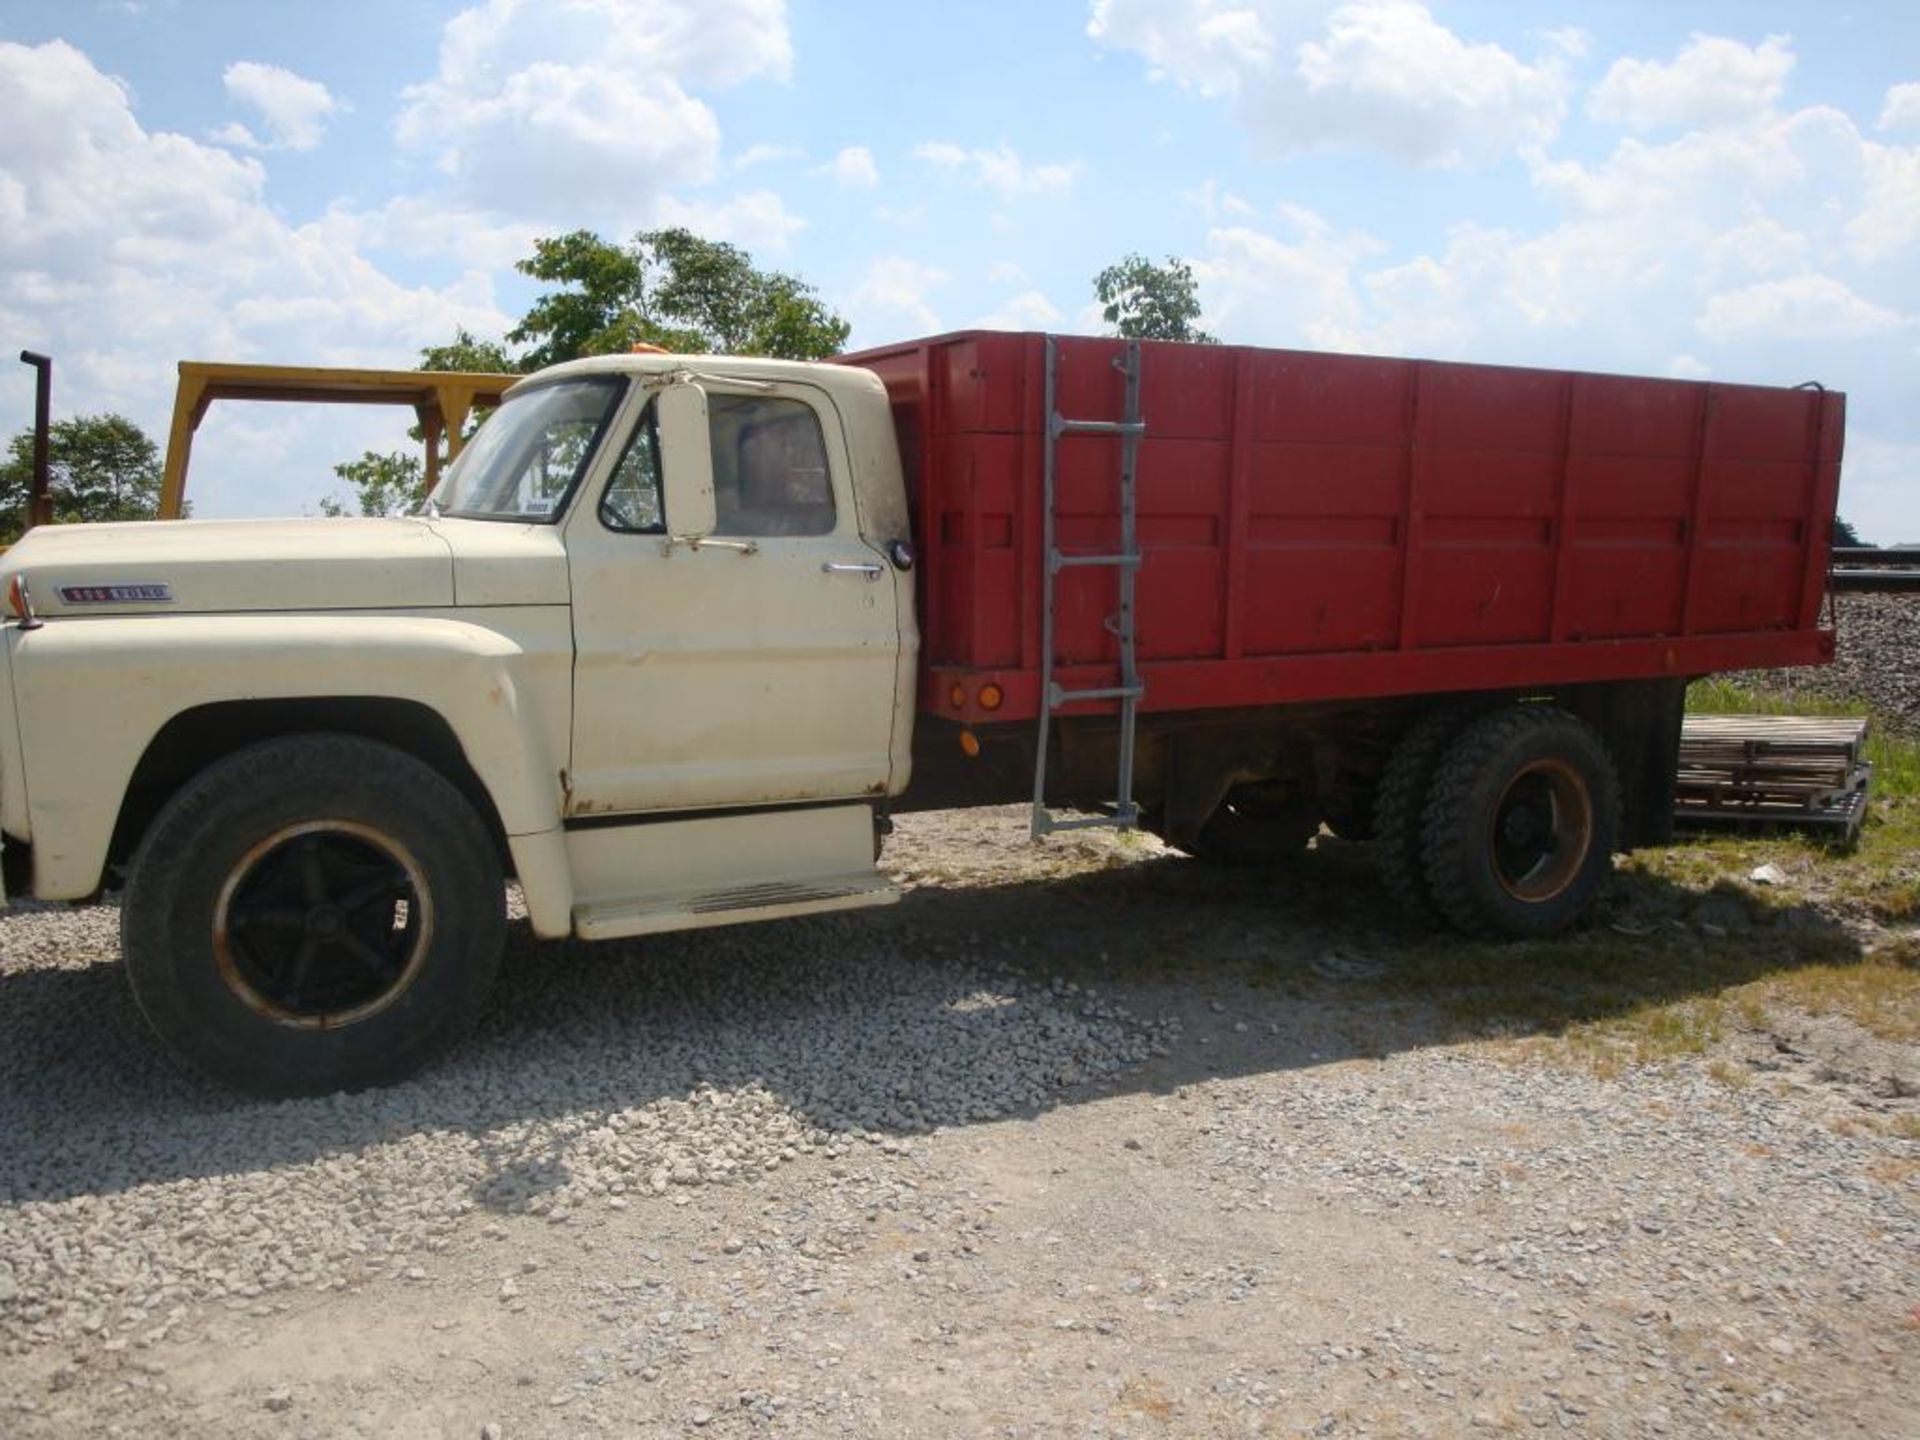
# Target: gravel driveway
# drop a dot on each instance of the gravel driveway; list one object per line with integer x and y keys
{"x": 1082, "y": 1140}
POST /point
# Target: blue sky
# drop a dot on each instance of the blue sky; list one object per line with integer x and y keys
{"x": 1716, "y": 190}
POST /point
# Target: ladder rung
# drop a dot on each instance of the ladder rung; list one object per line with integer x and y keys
{"x": 1058, "y": 696}
{"x": 1120, "y": 820}
{"x": 1064, "y": 426}
{"x": 1068, "y": 562}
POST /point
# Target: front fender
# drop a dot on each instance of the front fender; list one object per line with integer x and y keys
{"x": 91, "y": 695}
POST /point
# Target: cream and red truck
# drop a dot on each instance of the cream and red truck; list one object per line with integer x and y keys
{"x": 675, "y": 635}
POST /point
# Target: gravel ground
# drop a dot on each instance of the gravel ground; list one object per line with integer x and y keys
{"x": 1082, "y": 1140}
{"x": 1879, "y": 636}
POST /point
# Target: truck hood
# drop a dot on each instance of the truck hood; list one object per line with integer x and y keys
{"x": 197, "y": 566}
{"x": 206, "y": 566}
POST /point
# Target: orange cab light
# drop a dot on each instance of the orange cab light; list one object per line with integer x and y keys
{"x": 970, "y": 744}
{"x": 642, "y": 347}
{"x": 957, "y": 695}
{"x": 991, "y": 697}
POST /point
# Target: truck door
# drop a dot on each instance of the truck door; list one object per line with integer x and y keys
{"x": 756, "y": 666}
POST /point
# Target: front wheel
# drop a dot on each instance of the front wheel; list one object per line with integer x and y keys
{"x": 314, "y": 913}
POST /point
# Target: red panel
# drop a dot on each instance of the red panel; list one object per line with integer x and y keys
{"x": 1748, "y": 423}
{"x": 1484, "y": 407}
{"x": 1620, "y": 415}
{"x": 1316, "y": 526}
{"x": 1328, "y": 399}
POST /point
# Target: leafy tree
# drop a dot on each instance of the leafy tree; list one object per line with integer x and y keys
{"x": 100, "y": 467}
{"x": 1144, "y": 301}
{"x": 669, "y": 288}
{"x": 467, "y": 352}
{"x": 1844, "y": 533}
{"x": 382, "y": 484}
{"x": 392, "y": 484}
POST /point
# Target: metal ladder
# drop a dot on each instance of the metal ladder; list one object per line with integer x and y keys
{"x": 1127, "y": 563}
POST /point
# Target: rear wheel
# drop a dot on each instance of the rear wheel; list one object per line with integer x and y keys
{"x": 1521, "y": 823}
{"x": 1399, "y": 808}
{"x": 315, "y": 913}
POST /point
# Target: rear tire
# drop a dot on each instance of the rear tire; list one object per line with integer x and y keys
{"x": 314, "y": 913}
{"x": 1399, "y": 808}
{"x": 1521, "y": 823}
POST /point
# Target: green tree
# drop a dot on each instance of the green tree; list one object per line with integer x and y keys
{"x": 392, "y": 483}
{"x": 1845, "y": 534}
{"x": 387, "y": 484}
{"x": 669, "y": 288}
{"x": 1144, "y": 301}
{"x": 99, "y": 467}
{"x": 468, "y": 353}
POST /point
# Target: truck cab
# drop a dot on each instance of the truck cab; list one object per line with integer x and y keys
{"x": 649, "y": 648}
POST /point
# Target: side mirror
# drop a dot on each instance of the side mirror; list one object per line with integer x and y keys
{"x": 686, "y": 461}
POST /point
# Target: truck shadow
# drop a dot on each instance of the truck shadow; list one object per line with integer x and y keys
{"x": 960, "y": 1006}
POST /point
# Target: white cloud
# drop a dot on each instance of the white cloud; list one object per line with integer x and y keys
{"x": 1688, "y": 367}
{"x": 129, "y": 250}
{"x": 1029, "y": 310}
{"x": 1380, "y": 74}
{"x": 427, "y": 227}
{"x": 1712, "y": 81}
{"x": 756, "y": 220}
{"x": 766, "y": 155}
{"x": 1006, "y": 272}
{"x": 294, "y": 109}
{"x": 891, "y": 300}
{"x": 1000, "y": 170}
{"x": 853, "y": 168}
{"x": 1888, "y": 225}
{"x": 583, "y": 108}
{"x": 1802, "y": 307}
{"x": 1902, "y": 108}
{"x": 1569, "y": 40}
{"x": 1877, "y": 485}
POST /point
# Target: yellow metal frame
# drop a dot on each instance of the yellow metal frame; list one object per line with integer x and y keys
{"x": 441, "y": 399}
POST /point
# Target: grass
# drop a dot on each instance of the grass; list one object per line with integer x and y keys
{"x": 1648, "y": 985}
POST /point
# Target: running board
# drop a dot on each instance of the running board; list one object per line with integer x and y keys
{"x": 699, "y": 910}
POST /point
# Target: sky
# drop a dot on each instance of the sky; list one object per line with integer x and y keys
{"x": 1706, "y": 190}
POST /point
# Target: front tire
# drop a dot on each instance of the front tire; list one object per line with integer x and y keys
{"x": 314, "y": 913}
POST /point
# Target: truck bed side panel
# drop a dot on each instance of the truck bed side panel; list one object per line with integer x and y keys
{"x": 1331, "y": 526}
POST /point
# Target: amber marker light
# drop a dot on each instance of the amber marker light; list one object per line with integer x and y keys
{"x": 21, "y": 604}
{"x": 970, "y": 744}
{"x": 957, "y": 695}
{"x": 991, "y": 697}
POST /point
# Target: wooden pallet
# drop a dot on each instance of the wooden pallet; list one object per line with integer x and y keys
{"x": 1792, "y": 770}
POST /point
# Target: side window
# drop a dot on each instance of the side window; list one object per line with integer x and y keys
{"x": 632, "y": 501}
{"x": 769, "y": 467}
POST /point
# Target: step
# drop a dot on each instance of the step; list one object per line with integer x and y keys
{"x": 770, "y": 900}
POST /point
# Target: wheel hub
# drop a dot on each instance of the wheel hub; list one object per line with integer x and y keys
{"x": 322, "y": 924}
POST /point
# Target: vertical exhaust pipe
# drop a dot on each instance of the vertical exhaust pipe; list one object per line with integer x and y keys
{"x": 40, "y": 501}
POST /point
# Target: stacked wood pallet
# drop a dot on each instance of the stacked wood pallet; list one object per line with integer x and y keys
{"x": 1795, "y": 770}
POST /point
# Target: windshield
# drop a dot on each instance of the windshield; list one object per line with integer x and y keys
{"x": 523, "y": 463}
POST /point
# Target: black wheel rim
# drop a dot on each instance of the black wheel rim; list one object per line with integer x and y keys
{"x": 1542, "y": 830}
{"x": 322, "y": 924}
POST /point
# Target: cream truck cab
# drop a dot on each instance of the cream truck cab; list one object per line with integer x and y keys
{"x": 649, "y": 649}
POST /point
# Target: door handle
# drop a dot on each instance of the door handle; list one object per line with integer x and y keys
{"x": 868, "y": 568}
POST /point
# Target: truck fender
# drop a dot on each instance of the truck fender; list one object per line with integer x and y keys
{"x": 93, "y": 695}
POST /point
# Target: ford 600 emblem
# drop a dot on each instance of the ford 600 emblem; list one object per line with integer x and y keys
{"x": 117, "y": 594}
